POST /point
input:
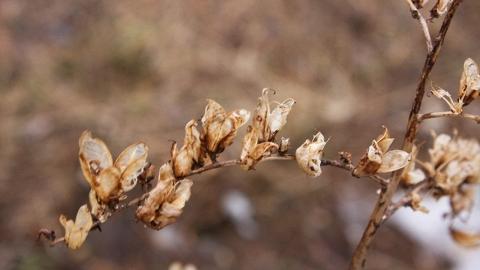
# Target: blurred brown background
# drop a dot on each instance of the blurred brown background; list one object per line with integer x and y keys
{"x": 139, "y": 70}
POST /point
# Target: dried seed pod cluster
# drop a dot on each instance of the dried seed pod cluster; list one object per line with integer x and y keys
{"x": 468, "y": 90}
{"x": 454, "y": 166}
{"x": 378, "y": 158}
{"x": 259, "y": 141}
{"x": 454, "y": 163}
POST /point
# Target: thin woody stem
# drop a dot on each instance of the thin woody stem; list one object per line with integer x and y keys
{"x": 50, "y": 235}
{"x": 377, "y": 217}
{"x": 431, "y": 115}
{"x": 407, "y": 198}
{"x": 423, "y": 23}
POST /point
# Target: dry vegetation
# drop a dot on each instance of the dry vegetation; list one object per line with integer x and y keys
{"x": 140, "y": 71}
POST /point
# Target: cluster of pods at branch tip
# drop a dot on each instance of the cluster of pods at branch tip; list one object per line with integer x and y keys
{"x": 468, "y": 89}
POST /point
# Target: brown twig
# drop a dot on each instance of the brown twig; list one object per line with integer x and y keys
{"x": 407, "y": 198}
{"x": 423, "y": 23}
{"x": 377, "y": 217}
{"x": 431, "y": 115}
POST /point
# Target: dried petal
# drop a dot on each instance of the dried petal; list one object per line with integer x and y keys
{"x": 190, "y": 152}
{"x": 108, "y": 184}
{"x": 252, "y": 151}
{"x": 466, "y": 239}
{"x": 309, "y": 155}
{"x": 76, "y": 233}
{"x": 394, "y": 160}
{"x": 131, "y": 154}
{"x": 166, "y": 201}
{"x": 278, "y": 117}
{"x": 173, "y": 207}
{"x": 219, "y": 128}
{"x": 260, "y": 118}
{"x": 445, "y": 96}
{"x": 131, "y": 163}
{"x": 94, "y": 156}
{"x": 469, "y": 88}
{"x": 99, "y": 210}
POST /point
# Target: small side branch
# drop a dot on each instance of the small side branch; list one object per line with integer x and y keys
{"x": 432, "y": 115}
{"x": 344, "y": 164}
{"x": 423, "y": 23}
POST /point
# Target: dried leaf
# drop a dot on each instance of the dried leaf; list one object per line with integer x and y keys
{"x": 76, "y": 232}
{"x": 261, "y": 115}
{"x": 394, "y": 160}
{"x": 309, "y": 155}
{"x": 466, "y": 239}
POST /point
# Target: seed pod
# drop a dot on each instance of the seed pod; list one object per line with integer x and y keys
{"x": 378, "y": 159}
{"x": 76, "y": 232}
{"x": 309, "y": 155}
{"x": 220, "y": 128}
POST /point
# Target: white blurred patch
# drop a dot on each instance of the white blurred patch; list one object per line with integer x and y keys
{"x": 169, "y": 238}
{"x": 431, "y": 231}
{"x": 238, "y": 207}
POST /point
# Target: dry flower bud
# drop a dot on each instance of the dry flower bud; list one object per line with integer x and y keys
{"x": 252, "y": 151}
{"x": 309, "y": 155}
{"x": 189, "y": 154}
{"x": 110, "y": 180}
{"x": 378, "y": 159}
{"x": 469, "y": 88}
{"x": 220, "y": 128}
{"x": 440, "y": 8}
{"x": 469, "y": 240}
{"x": 415, "y": 203}
{"x": 266, "y": 122}
{"x": 284, "y": 144}
{"x": 454, "y": 161}
{"x": 166, "y": 200}
{"x": 410, "y": 175}
{"x": 76, "y": 232}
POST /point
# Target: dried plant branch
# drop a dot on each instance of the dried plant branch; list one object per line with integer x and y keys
{"x": 406, "y": 200}
{"x": 423, "y": 23}
{"x": 342, "y": 164}
{"x": 377, "y": 217}
{"x": 431, "y": 115}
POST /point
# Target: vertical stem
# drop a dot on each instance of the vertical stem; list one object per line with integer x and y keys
{"x": 385, "y": 198}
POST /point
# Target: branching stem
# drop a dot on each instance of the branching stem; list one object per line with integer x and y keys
{"x": 378, "y": 214}
{"x": 431, "y": 115}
